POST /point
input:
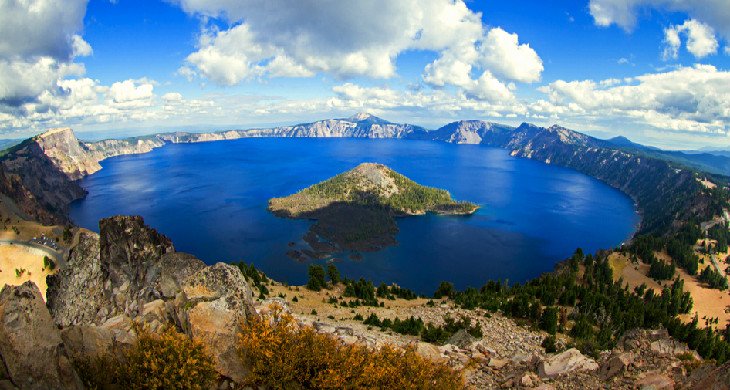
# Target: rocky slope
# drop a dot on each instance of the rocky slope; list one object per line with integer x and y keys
{"x": 128, "y": 274}
{"x": 510, "y": 355}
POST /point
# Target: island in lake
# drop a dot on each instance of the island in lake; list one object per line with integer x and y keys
{"x": 356, "y": 210}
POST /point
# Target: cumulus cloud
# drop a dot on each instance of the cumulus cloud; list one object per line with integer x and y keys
{"x": 686, "y": 99}
{"x": 277, "y": 38}
{"x": 701, "y": 40}
{"x": 30, "y": 28}
{"x": 502, "y": 53}
{"x": 132, "y": 92}
{"x": 38, "y": 42}
{"x": 715, "y": 13}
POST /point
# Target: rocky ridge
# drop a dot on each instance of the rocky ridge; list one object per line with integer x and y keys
{"x": 128, "y": 274}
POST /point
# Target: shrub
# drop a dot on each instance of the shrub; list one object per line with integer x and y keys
{"x": 446, "y": 289}
{"x": 549, "y": 320}
{"x": 316, "y": 277}
{"x": 282, "y": 354}
{"x": 549, "y": 344}
{"x": 169, "y": 360}
{"x": 333, "y": 274}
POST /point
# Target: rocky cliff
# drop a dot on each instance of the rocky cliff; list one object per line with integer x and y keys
{"x": 665, "y": 193}
{"x": 130, "y": 274}
{"x": 39, "y": 175}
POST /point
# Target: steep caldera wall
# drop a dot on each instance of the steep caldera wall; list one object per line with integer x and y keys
{"x": 40, "y": 173}
{"x": 664, "y": 192}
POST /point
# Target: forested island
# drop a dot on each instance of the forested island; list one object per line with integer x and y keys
{"x": 356, "y": 210}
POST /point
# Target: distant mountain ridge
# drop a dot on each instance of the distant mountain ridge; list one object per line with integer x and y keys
{"x": 646, "y": 175}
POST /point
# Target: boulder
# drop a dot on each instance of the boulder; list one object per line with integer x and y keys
{"x": 31, "y": 347}
{"x": 718, "y": 379}
{"x": 222, "y": 302}
{"x": 88, "y": 341}
{"x": 76, "y": 294}
{"x": 461, "y": 339}
{"x": 568, "y": 361}
{"x": 668, "y": 346}
{"x": 428, "y": 351}
{"x": 175, "y": 268}
{"x": 655, "y": 380}
{"x": 130, "y": 274}
{"x": 616, "y": 364}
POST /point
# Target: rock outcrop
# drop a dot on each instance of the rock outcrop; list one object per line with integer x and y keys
{"x": 565, "y": 362}
{"x": 67, "y": 153}
{"x": 32, "y": 352}
{"x": 129, "y": 274}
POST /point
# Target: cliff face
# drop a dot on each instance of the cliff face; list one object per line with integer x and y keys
{"x": 664, "y": 193}
{"x": 130, "y": 273}
{"x": 40, "y": 173}
{"x": 68, "y": 154}
{"x": 39, "y": 178}
{"x": 358, "y": 126}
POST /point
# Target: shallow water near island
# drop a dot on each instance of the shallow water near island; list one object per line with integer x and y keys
{"x": 211, "y": 198}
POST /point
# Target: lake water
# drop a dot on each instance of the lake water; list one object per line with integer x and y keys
{"x": 211, "y": 198}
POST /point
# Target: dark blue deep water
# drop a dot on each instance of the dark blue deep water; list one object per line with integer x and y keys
{"x": 210, "y": 199}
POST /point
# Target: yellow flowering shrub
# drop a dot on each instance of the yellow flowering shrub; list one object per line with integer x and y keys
{"x": 281, "y": 354}
{"x": 169, "y": 360}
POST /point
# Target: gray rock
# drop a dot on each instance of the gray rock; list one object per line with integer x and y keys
{"x": 616, "y": 364}
{"x": 461, "y": 339}
{"x": 130, "y": 273}
{"x": 222, "y": 303}
{"x": 568, "y": 361}
{"x": 31, "y": 347}
{"x": 76, "y": 294}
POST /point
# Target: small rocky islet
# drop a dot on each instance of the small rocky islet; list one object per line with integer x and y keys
{"x": 356, "y": 211}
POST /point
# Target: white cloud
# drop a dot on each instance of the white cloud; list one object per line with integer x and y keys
{"x": 502, "y": 53}
{"x": 38, "y": 41}
{"x": 80, "y": 47}
{"x": 30, "y": 28}
{"x": 701, "y": 40}
{"x": 132, "y": 92}
{"x": 673, "y": 43}
{"x": 715, "y": 13}
{"x": 172, "y": 97}
{"x": 687, "y": 99}
{"x": 343, "y": 39}
{"x": 21, "y": 80}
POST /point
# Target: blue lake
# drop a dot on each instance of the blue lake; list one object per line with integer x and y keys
{"x": 211, "y": 198}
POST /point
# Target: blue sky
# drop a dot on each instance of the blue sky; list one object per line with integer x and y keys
{"x": 656, "y": 71}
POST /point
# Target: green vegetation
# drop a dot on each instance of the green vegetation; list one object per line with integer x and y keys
{"x": 713, "y": 278}
{"x": 316, "y": 278}
{"x": 48, "y": 263}
{"x": 600, "y": 309}
{"x": 660, "y": 270}
{"x": 429, "y": 333}
{"x": 333, "y": 274}
{"x": 356, "y": 210}
{"x": 257, "y": 277}
{"x": 721, "y": 234}
{"x": 354, "y": 187}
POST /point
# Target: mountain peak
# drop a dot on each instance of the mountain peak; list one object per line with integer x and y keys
{"x": 361, "y": 116}
{"x": 366, "y": 117}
